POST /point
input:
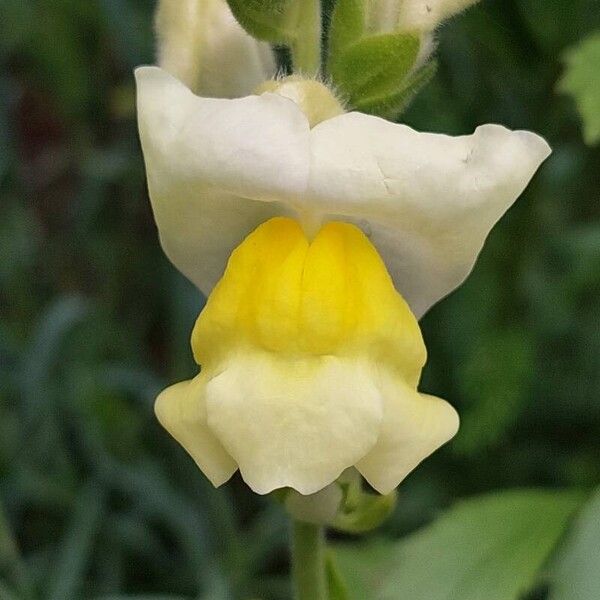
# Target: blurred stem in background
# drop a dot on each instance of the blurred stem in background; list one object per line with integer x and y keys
{"x": 308, "y": 561}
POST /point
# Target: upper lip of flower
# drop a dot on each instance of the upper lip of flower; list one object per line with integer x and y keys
{"x": 217, "y": 168}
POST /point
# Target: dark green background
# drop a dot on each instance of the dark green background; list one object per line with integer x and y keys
{"x": 94, "y": 320}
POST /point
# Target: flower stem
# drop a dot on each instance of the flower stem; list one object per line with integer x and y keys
{"x": 306, "y": 48}
{"x": 308, "y": 561}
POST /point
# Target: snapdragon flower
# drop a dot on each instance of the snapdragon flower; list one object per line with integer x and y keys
{"x": 320, "y": 238}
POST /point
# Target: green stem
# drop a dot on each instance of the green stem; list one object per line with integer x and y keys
{"x": 306, "y": 48}
{"x": 308, "y": 561}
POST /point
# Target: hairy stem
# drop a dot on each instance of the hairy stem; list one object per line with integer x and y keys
{"x": 306, "y": 48}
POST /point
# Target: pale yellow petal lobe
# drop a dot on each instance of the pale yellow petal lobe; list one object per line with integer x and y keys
{"x": 181, "y": 410}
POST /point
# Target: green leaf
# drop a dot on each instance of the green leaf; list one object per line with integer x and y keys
{"x": 488, "y": 547}
{"x": 347, "y": 27}
{"x": 75, "y": 551}
{"x": 56, "y": 322}
{"x": 266, "y": 20}
{"x": 578, "y": 572}
{"x": 375, "y": 66}
{"x": 556, "y": 24}
{"x": 365, "y": 566}
{"x": 582, "y": 82}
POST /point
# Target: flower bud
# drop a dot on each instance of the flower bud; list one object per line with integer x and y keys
{"x": 201, "y": 43}
{"x": 382, "y": 15}
{"x": 377, "y": 64}
{"x": 315, "y": 99}
{"x": 426, "y": 15}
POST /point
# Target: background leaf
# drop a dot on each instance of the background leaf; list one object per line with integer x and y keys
{"x": 578, "y": 574}
{"x": 495, "y": 381}
{"x": 76, "y": 548}
{"x": 582, "y": 81}
{"x": 489, "y": 547}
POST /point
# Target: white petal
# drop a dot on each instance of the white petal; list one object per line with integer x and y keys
{"x": 427, "y": 201}
{"x": 181, "y": 410}
{"x": 201, "y": 43}
{"x": 216, "y": 168}
{"x": 414, "y": 426}
{"x": 294, "y": 423}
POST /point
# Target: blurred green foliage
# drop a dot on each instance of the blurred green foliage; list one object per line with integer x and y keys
{"x": 582, "y": 81}
{"x": 487, "y": 548}
{"x": 577, "y": 574}
{"x": 98, "y": 501}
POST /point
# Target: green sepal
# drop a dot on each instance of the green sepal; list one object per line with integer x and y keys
{"x": 346, "y": 28}
{"x": 295, "y": 23}
{"x": 338, "y": 590}
{"x": 391, "y": 105}
{"x": 375, "y": 66}
{"x": 350, "y": 482}
{"x": 370, "y": 512}
{"x": 267, "y": 20}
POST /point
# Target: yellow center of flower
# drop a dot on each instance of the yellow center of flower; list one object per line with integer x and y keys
{"x": 284, "y": 294}
{"x": 315, "y": 100}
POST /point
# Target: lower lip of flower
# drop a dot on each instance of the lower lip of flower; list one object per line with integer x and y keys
{"x": 305, "y": 345}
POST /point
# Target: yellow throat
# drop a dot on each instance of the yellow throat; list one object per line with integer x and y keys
{"x": 284, "y": 294}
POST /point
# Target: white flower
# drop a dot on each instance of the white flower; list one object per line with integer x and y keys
{"x": 310, "y": 358}
{"x": 201, "y": 43}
